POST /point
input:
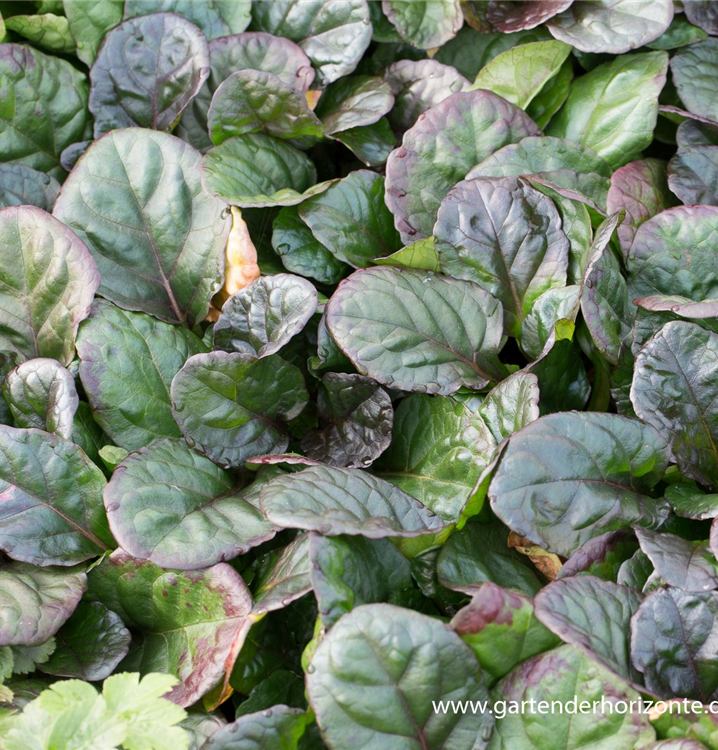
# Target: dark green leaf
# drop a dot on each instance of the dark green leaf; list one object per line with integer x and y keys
{"x": 283, "y": 576}
{"x": 127, "y": 362}
{"x": 408, "y": 329}
{"x": 693, "y": 68}
{"x": 41, "y": 393}
{"x": 21, "y": 185}
{"x": 351, "y": 220}
{"x": 252, "y": 101}
{"x": 216, "y": 19}
{"x": 89, "y": 645}
{"x": 391, "y": 659}
{"x": 35, "y": 602}
{"x": 45, "y": 295}
{"x": 164, "y": 263}
{"x": 441, "y": 148}
{"x": 602, "y": 556}
{"x": 680, "y": 33}
{"x": 554, "y": 305}
{"x": 230, "y": 405}
{"x": 89, "y": 22}
{"x": 673, "y": 390}
{"x": 281, "y": 686}
{"x": 169, "y": 505}
{"x": 279, "y": 728}
{"x": 262, "y": 317}
{"x": 511, "y": 405}
{"x": 689, "y": 502}
{"x": 371, "y": 144}
{"x": 427, "y": 24}
{"x": 569, "y": 477}
{"x": 52, "y": 511}
{"x": 345, "y": 501}
{"x": 353, "y": 102}
{"x": 693, "y": 174}
{"x": 355, "y": 419}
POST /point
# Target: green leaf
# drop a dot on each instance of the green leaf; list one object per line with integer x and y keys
{"x": 334, "y": 35}
{"x": 439, "y": 449}
{"x": 688, "y": 502}
{"x": 613, "y": 26}
{"x": 52, "y": 511}
{"x": 354, "y": 102}
{"x": 639, "y": 188}
{"x": 479, "y": 553}
{"x": 516, "y": 16}
{"x": 441, "y": 148}
{"x": 43, "y": 297}
{"x": 281, "y": 686}
{"x": 279, "y": 728}
{"x": 605, "y": 304}
{"x": 89, "y": 22}
{"x": 47, "y": 110}
{"x": 554, "y": 305}
{"x": 355, "y": 419}
{"x": 259, "y": 171}
{"x": 680, "y": 33}
{"x": 35, "y": 602}
{"x": 407, "y": 329}
{"x": 151, "y": 260}
{"x": 230, "y": 405}
{"x": 87, "y": 433}
{"x": 41, "y": 393}
{"x": 511, "y": 405}
{"x": 501, "y": 629}
{"x": 21, "y": 185}
{"x": 344, "y": 501}
{"x": 48, "y": 31}
{"x": 127, "y": 362}
{"x": 349, "y": 571}
{"x": 673, "y": 390}
{"x": 519, "y": 74}
{"x": 594, "y": 616}
{"x": 371, "y": 144}
{"x": 419, "y": 85}
{"x": 566, "y": 674}
{"x": 137, "y": 58}
{"x": 252, "y": 101}
{"x": 390, "y": 659}
{"x": 301, "y": 252}
{"x": 282, "y": 576}
{"x": 693, "y": 174}
{"x": 215, "y": 19}
{"x": 351, "y": 219}
{"x": 552, "y": 96}
{"x": 569, "y": 477}
{"x": 671, "y": 637}
{"x": 183, "y": 624}
{"x": 91, "y": 643}
{"x": 613, "y": 109}
{"x": 169, "y": 505}
{"x": 505, "y": 236}
{"x": 262, "y": 317}
{"x": 693, "y": 68}
{"x": 426, "y": 24}
{"x": 420, "y": 254}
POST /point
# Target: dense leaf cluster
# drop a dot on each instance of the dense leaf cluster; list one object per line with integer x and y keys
{"x": 357, "y": 356}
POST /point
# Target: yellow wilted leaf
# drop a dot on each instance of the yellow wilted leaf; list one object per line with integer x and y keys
{"x": 312, "y": 98}
{"x": 548, "y": 563}
{"x": 241, "y": 267}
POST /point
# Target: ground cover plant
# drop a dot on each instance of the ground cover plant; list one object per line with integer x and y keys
{"x": 356, "y": 358}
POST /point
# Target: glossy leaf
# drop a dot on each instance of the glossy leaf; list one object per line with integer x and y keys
{"x": 21, "y": 185}
{"x": 371, "y": 144}
{"x": 230, "y": 405}
{"x": 44, "y": 297}
{"x": 184, "y": 623}
{"x": 91, "y": 643}
{"x": 89, "y": 22}
{"x": 336, "y": 501}
{"x": 613, "y": 108}
{"x": 35, "y": 602}
{"x": 355, "y": 419}
{"x": 424, "y": 25}
{"x": 502, "y": 630}
{"x": 613, "y": 26}
{"x": 283, "y": 576}
{"x": 554, "y": 486}
{"x": 354, "y": 102}
{"x": 41, "y": 393}
{"x": 554, "y": 305}
{"x": 215, "y": 19}
{"x": 439, "y": 449}
{"x": 280, "y": 727}
{"x": 692, "y": 68}
{"x": 127, "y": 362}
{"x": 253, "y": 101}
{"x": 441, "y": 148}
{"x": 262, "y": 317}
{"x": 516, "y": 16}
{"x": 688, "y": 502}
{"x": 693, "y": 174}
{"x": 390, "y": 657}
{"x": 47, "y": 30}
{"x": 151, "y": 260}
{"x": 673, "y": 391}
{"x": 351, "y": 220}
{"x": 258, "y": 171}
{"x": 703, "y": 14}
{"x": 406, "y": 329}
{"x": 52, "y": 510}
{"x": 511, "y": 405}
{"x": 169, "y": 505}
{"x": 129, "y": 79}
{"x": 39, "y": 121}
{"x": 505, "y": 236}
{"x": 672, "y": 637}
